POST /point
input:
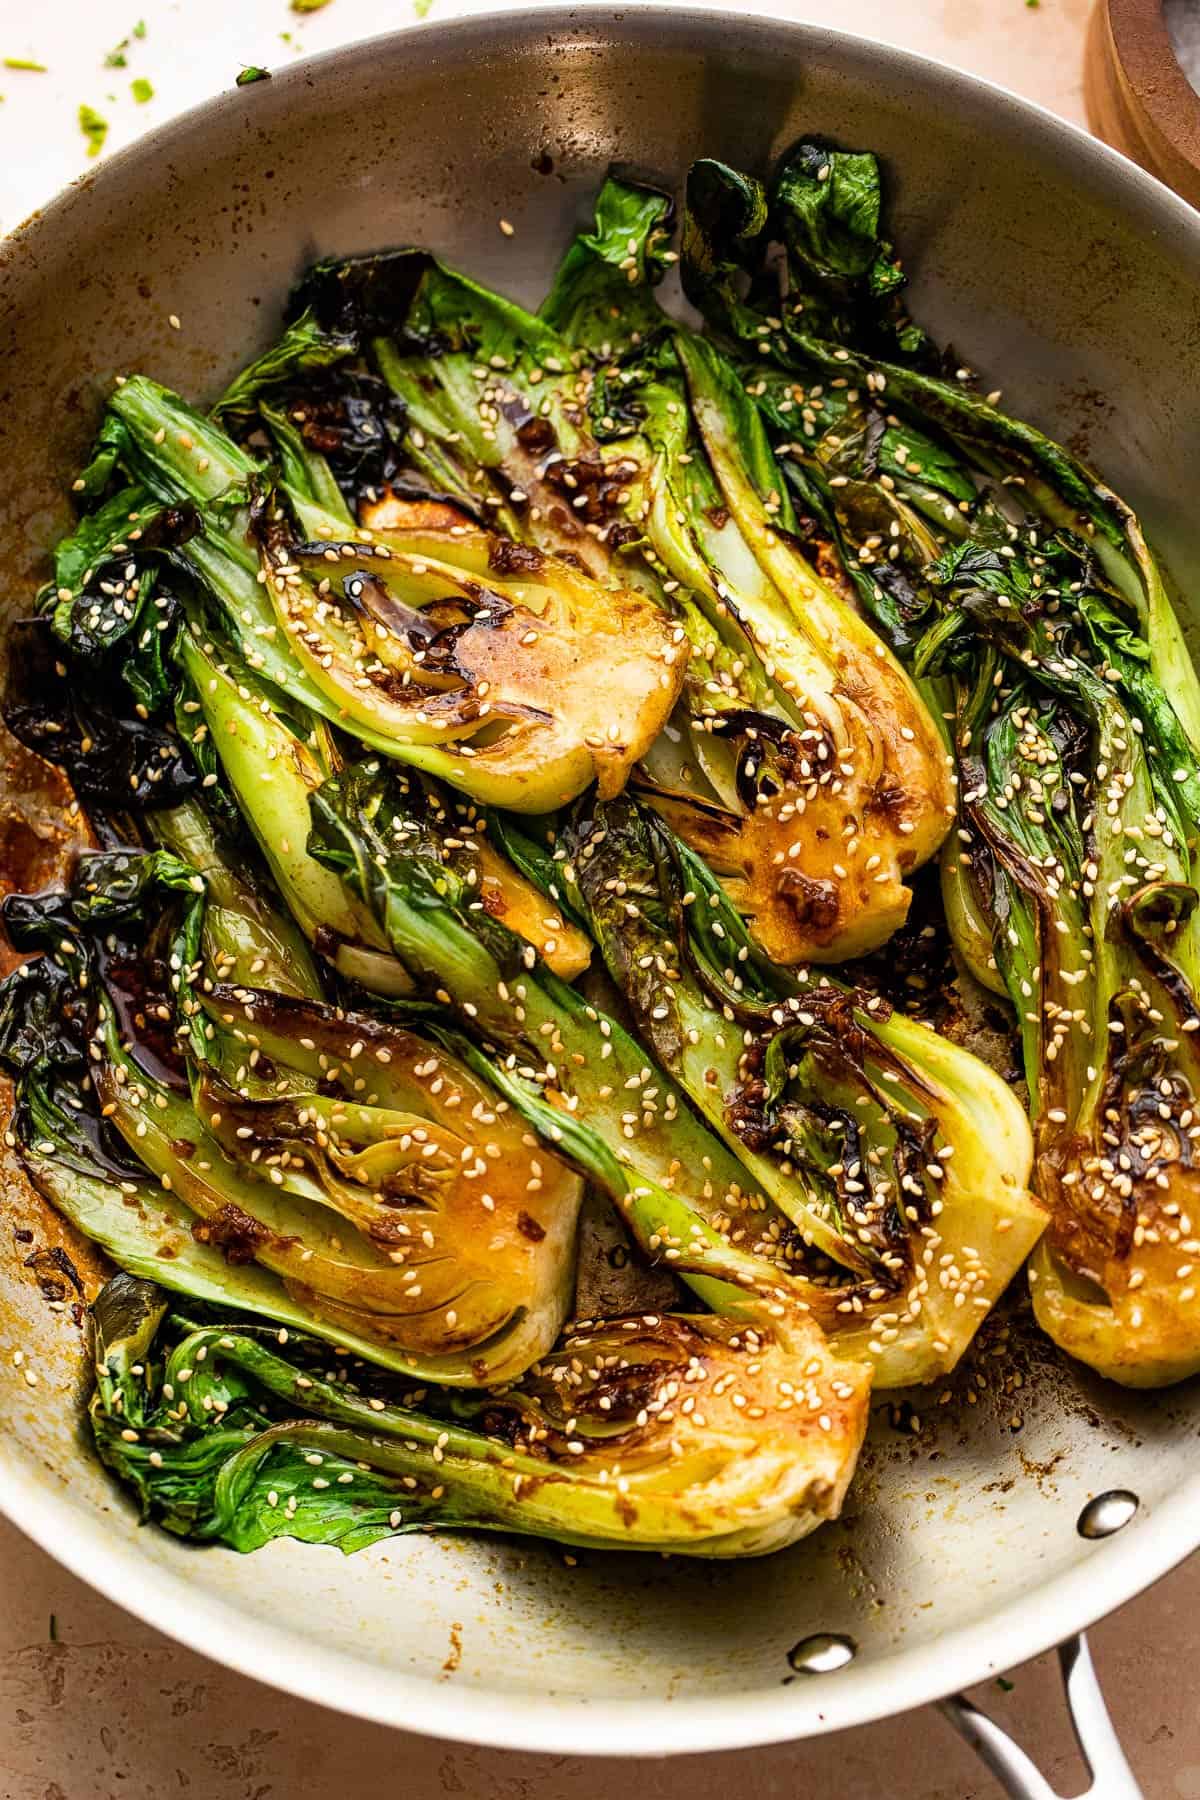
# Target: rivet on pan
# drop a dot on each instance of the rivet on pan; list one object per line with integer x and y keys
{"x": 1106, "y": 1513}
{"x": 822, "y": 1653}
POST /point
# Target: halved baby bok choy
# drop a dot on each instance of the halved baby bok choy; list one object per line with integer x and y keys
{"x": 520, "y": 691}
{"x": 685, "y": 1435}
{"x": 901, "y": 1160}
{"x": 1081, "y": 811}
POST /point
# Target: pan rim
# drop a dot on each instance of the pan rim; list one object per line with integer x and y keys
{"x": 501, "y": 1719}
{"x": 497, "y": 1718}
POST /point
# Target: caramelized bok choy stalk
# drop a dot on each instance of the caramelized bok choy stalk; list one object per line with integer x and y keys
{"x": 520, "y": 692}
{"x": 636, "y": 658}
{"x": 272, "y": 758}
{"x": 367, "y": 1175}
{"x": 1081, "y": 810}
{"x": 901, "y": 1159}
{"x": 554, "y": 679}
{"x": 589, "y": 1448}
{"x": 842, "y": 776}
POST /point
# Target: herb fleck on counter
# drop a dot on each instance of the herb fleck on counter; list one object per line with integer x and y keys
{"x": 94, "y": 128}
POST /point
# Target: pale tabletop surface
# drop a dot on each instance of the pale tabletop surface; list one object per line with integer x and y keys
{"x": 94, "y": 1705}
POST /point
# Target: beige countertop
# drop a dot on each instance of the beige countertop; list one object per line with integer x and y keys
{"x": 94, "y": 1705}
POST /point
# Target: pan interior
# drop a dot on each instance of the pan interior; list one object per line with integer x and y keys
{"x": 1072, "y": 282}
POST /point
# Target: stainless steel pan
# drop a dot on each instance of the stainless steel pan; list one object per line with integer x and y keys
{"x": 1073, "y": 280}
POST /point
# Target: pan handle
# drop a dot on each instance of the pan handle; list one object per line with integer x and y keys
{"x": 1112, "y": 1778}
